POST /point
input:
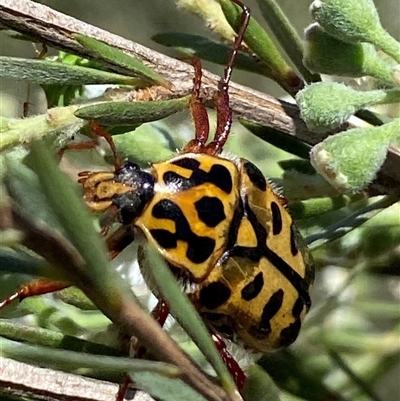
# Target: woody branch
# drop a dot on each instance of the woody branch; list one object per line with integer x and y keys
{"x": 49, "y": 26}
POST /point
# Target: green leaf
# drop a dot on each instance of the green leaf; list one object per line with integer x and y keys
{"x": 354, "y": 22}
{"x": 53, "y": 73}
{"x": 301, "y": 186}
{"x": 149, "y": 143}
{"x": 259, "y": 386}
{"x": 74, "y": 296}
{"x": 340, "y": 226}
{"x": 62, "y": 95}
{"x": 283, "y": 141}
{"x": 71, "y": 361}
{"x": 287, "y": 371}
{"x": 329, "y": 55}
{"x": 24, "y": 188}
{"x": 164, "y": 388}
{"x": 350, "y": 160}
{"x": 121, "y": 59}
{"x": 12, "y": 261}
{"x": 132, "y": 113}
{"x": 302, "y": 166}
{"x": 49, "y": 338}
{"x": 158, "y": 274}
{"x": 286, "y": 35}
{"x": 206, "y": 49}
{"x": 260, "y": 43}
{"x": 57, "y": 121}
{"x": 327, "y": 105}
{"x": 316, "y": 207}
{"x": 62, "y": 195}
{"x": 362, "y": 384}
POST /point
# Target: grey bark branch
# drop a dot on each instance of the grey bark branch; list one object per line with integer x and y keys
{"x": 19, "y": 379}
{"x": 56, "y": 29}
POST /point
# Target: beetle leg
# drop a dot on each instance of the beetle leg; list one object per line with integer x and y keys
{"x": 36, "y": 287}
{"x": 116, "y": 243}
{"x": 224, "y": 111}
{"x": 230, "y": 362}
{"x": 160, "y": 314}
{"x": 89, "y": 144}
{"x": 98, "y": 131}
{"x": 198, "y": 112}
{"x": 119, "y": 240}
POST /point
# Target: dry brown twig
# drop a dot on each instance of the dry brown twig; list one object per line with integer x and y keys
{"x": 19, "y": 379}
{"x": 51, "y": 27}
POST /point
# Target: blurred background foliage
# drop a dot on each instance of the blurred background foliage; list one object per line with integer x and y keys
{"x": 350, "y": 346}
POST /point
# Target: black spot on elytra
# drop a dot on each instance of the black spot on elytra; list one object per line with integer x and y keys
{"x": 293, "y": 244}
{"x": 164, "y": 238}
{"x": 199, "y": 248}
{"x": 214, "y": 295}
{"x": 298, "y": 307}
{"x": 251, "y": 290}
{"x": 290, "y": 333}
{"x": 210, "y": 210}
{"x": 276, "y": 219}
{"x": 256, "y": 176}
{"x": 218, "y": 175}
{"x": 187, "y": 162}
{"x": 263, "y": 329}
{"x": 271, "y": 308}
{"x": 261, "y": 250}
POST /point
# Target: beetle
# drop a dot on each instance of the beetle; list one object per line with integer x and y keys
{"x": 218, "y": 223}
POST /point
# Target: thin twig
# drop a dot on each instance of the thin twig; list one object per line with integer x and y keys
{"x": 19, "y": 379}
{"x": 56, "y": 29}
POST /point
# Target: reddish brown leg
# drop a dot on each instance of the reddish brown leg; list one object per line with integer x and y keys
{"x": 284, "y": 201}
{"x": 89, "y": 144}
{"x": 99, "y": 131}
{"x": 123, "y": 388}
{"x": 108, "y": 219}
{"x": 198, "y": 112}
{"x": 235, "y": 370}
{"x": 36, "y": 287}
{"x": 224, "y": 111}
{"x": 116, "y": 243}
{"x": 27, "y": 103}
{"x": 160, "y": 314}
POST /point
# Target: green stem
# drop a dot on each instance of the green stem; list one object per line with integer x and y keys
{"x": 351, "y": 222}
{"x": 353, "y": 376}
{"x": 264, "y": 48}
{"x": 389, "y": 45}
{"x": 15, "y": 132}
{"x": 391, "y": 96}
{"x": 70, "y": 360}
{"x": 377, "y": 67}
{"x": 287, "y": 36}
{"x": 49, "y": 338}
